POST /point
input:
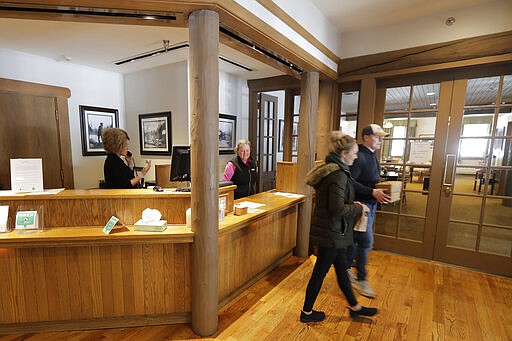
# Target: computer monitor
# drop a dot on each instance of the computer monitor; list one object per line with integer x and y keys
{"x": 180, "y": 163}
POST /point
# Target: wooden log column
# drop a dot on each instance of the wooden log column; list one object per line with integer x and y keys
{"x": 367, "y": 106}
{"x": 306, "y": 155}
{"x": 328, "y": 113}
{"x": 204, "y": 126}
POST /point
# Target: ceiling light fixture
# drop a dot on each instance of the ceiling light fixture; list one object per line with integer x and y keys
{"x": 431, "y": 93}
{"x": 387, "y": 125}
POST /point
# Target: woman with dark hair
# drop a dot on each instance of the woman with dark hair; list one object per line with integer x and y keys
{"x": 332, "y": 224}
{"x": 117, "y": 173}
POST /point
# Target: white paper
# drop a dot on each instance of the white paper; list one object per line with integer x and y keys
{"x": 249, "y": 204}
{"x": 4, "y": 215}
{"x": 47, "y": 191}
{"x": 288, "y": 195}
{"x": 27, "y": 175}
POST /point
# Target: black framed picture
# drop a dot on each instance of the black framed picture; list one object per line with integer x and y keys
{"x": 93, "y": 120}
{"x": 280, "y": 145}
{"x": 155, "y": 132}
{"x": 227, "y": 133}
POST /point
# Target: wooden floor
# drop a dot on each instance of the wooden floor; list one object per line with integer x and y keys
{"x": 418, "y": 300}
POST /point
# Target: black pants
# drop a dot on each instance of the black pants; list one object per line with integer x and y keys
{"x": 327, "y": 257}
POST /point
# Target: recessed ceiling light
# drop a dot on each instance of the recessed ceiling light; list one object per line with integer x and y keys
{"x": 433, "y": 104}
{"x": 431, "y": 93}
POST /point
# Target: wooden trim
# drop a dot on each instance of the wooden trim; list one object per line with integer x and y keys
{"x": 458, "y": 51}
{"x": 102, "y": 323}
{"x": 273, "y": 83}
{"x": 35, "y": 89}
{"x": 287, "y": 19}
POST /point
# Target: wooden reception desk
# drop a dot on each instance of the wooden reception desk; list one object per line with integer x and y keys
{"x": 72, "y": 276}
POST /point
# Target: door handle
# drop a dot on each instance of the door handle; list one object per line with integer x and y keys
{"x": 449, "y": 173}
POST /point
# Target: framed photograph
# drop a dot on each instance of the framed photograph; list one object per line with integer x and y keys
{"x": 280, "y": 145}
{"x": 155, "y": 133}
{"x": 93, "y": 120}
{"x": 227, "y": 133}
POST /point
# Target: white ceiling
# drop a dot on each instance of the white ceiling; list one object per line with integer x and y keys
{"x": 99, "y": 45}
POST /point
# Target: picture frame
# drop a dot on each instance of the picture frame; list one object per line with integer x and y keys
{"x": 280, "y": 144}
{"x": 93, "y": 120}
{"x": 227, "y": 133}
{"x": 155, "y": 133}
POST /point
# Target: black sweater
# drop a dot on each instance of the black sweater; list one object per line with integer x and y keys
{"x": 117, "y": 173}
{"x": 366, "y": 173}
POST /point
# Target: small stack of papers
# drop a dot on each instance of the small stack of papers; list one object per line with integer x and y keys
{"x": 158, "y": 226}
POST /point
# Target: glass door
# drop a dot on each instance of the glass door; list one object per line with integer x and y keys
{"x": 449, "y": 158}
{"x": 475, "y": 215}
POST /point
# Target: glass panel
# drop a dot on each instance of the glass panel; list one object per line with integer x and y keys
{"x": 391, "y": 207}
{"x": 414, "y": 203}
{"x": 348, "y": 125}
{"x": 271, "y": 163}
{"x": 498, "y": 152}
{"x": 504, "y": 118}
{"x": 482, "y": 91}
{"x": 506, "y": 91}
{"x": 296, "y": 105}
{"x": 271, "y": 109}
{"x": 386, "y": 224}
{"x": 295, "y": 144}
{"x": 419, "y": 178}
{"x": 462, "y": 235}
{"x": 420, "y": 152}
{"x": 264, "y": 158}
{"x": 271, "y": 127}
{"x": 466, "y": 180}
{"x": 477, "y": 122}
{"x": 465, "y": 208}
{"x": 349, "y": 103}
{"x": 498, "y": 211}
{"x": 411, "y": 228}
{"x": 265, "y": 127}
{"x": 474, "y": 151}
{"x": 496, "y": 241}
{"x": 397, "y": 99}
{"x": 393, "y": 151}
{"x": 265, "y": 146}
{"x": 425, "y": 96}
{"x": 422, "y": 124}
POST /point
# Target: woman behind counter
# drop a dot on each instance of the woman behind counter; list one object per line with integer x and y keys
{"x": 117, "y": 173}
{"x": 241, "y": 170}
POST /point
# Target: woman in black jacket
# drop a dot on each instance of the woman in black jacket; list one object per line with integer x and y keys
{"x": 332, "y": 224}
{"x": 117, "y": 173}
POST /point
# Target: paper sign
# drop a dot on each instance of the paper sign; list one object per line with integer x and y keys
{"x": 4, "y": 215}
{"x": 27, "y": 175}
{"x": 26, "y": 220}
{"x": 110, "y": 225}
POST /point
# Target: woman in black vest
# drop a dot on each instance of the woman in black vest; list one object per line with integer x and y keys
{"x": 241, "y": 170}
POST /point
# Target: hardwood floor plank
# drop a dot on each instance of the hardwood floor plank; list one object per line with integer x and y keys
{"x": 418, "y": 300}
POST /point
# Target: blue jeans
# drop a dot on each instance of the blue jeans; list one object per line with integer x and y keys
{"x": 327, "y": 257}
{"x": 363, "y": 243}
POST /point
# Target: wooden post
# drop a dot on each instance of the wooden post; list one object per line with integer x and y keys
{"x": 306, "y": 156}
{"x": 366, "y": 104}
{"x": 328, "y": 109}
{"x": 204, "y": 125}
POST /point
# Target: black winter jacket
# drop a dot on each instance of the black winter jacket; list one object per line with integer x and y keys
{"x": 335, "y": 212}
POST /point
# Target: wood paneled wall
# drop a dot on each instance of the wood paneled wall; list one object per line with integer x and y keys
{"x": 113, "y": 284}
{"x": 247, "y": 254}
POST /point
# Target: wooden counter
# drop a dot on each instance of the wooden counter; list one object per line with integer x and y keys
{"x": 72, "y": 276}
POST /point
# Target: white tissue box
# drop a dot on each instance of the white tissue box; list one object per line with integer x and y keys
{"x": 151, "y": 227}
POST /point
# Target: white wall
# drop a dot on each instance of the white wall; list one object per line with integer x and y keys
{"x": 165, "y": 88}
{"x": 234, "y": 100}
{"x": 487, "y": 18}
{"x": 88, "y": 86}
